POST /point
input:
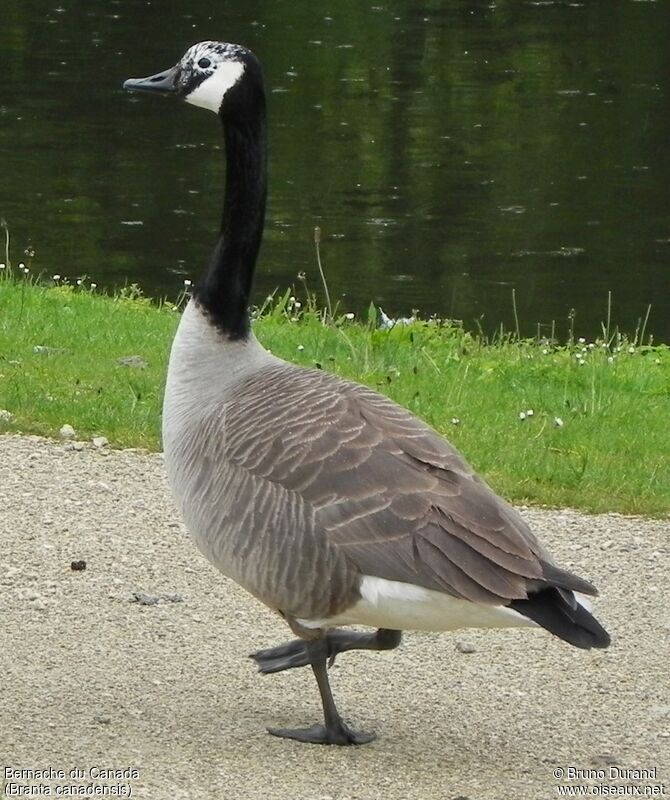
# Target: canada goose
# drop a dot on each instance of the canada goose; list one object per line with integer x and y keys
{"x": 327, "y": 501}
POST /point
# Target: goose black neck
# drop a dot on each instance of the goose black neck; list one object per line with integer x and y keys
{"x": 225, "y": 287}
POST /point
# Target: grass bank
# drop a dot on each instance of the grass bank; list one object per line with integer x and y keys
{"x": 586, "y": 424}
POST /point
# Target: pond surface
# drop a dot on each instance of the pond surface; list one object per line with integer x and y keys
{"x": 450, "y": 152}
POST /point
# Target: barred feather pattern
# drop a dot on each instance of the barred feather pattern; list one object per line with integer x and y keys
{"x": 297, "y": 483}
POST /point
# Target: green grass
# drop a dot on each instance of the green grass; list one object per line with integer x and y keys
{"x": 611, "y": 452}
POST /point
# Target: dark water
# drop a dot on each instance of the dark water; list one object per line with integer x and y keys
{"x": 450, "y": 151}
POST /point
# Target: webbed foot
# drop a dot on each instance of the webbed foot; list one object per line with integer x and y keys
{"x": 319, "y": 734}
{"x": 285, "y": 656}
{"x": 295, "y": 653}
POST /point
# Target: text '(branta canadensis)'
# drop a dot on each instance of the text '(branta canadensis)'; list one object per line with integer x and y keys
{"x": 328, "y": 502}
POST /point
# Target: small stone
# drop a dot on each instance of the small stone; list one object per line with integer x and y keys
{"x": 605, "y": 759}
{"x": 79, "y": 446}
{"x": 144, "y": 599}
{"x": 67, "y": 432}
{"x": 100, "y": 442}
{"x": 173, "y": 598}
{"x": 101, "y": 719}
{"x": 137, "y": 362}
{"x": 6, "y": 416}
{"x": 465, "y": 647}
{"x": 78, "y": 566}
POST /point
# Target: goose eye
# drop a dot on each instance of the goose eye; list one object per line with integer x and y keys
{"x": 204, "y": 63}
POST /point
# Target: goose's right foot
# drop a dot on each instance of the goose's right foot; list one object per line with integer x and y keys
{"x": 339, "y": 734}
{"x": 295, "y": 653}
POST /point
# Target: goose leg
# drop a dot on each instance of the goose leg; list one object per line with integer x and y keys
{"x": 334, "y": 731}
{"x": 295, "y": 653}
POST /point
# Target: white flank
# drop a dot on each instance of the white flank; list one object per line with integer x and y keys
{"x": 403, "y": 606}
{"x": 210, "y": 93}
{"x": 584, "y": 601}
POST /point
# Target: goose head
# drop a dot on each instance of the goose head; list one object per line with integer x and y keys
{"x": 212, "y": 75}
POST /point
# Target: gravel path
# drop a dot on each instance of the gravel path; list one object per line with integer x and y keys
{"x": 94, "y": 678}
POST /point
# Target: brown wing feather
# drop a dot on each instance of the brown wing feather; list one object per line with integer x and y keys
{"x": 384, "y": 488}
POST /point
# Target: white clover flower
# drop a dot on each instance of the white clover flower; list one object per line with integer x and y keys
{"x": 22, "y": 266}
{"x": 581, "y": 340}
{"x": 187, "y": 282}
{"x": 94, "y": 286}
{"x": 79, "y": 281}
{"x": 522, "y": 415}
{"x": 455, "y": 421}
{"x": 558, "y": 422}
{"x": 55, "y": 277}
{"x": 545, "y": 352}
{"x": 297, "y": 304}
{"x": 610, "y": 360}
{"x": 530, "y": 412}
{"x": 2, "y": 266}
{"x": 631, "y": 349}
{"x": 349, "y": 315}
{"x": 301, "y": 347}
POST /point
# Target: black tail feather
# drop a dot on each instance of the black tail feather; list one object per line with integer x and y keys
{"x": 575, "y": 625}
{"x": 555, "y": 576}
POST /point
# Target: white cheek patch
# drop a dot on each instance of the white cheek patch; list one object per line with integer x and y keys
{"x": 210, "y": 93}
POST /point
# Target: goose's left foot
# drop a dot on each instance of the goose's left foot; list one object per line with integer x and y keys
{"x": 295, "y": 654}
